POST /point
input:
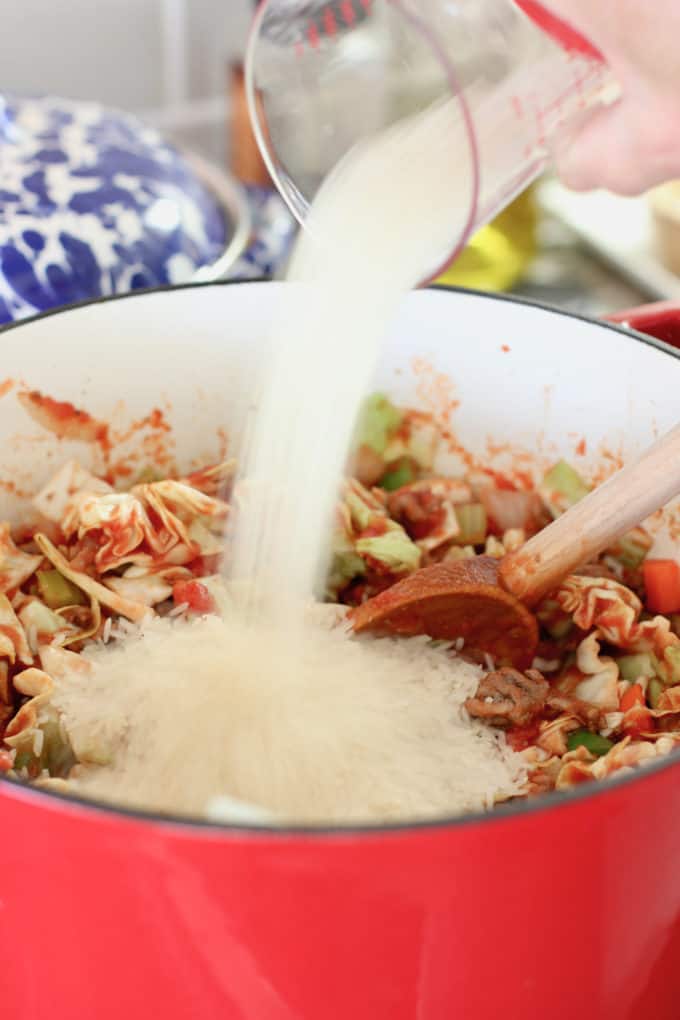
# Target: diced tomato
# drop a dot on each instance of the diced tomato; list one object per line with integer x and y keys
{"x": 195, "y": 595}
{"x": 6, "y": 761}
{"x": 662, "y": 586}
{"x": 521, "y": 737}
{"x": 633, "y": 696}
{"x": 637, "y": 721}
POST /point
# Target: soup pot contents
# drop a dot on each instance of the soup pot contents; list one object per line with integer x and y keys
{"x": 342, "y": 730}
{"x": 487, "y": 601}
{"x": 133, "y": 673}
{"x": 130, "y": 676}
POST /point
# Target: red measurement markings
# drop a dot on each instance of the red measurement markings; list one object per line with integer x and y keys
{"x": 347, "y": 11}
{"x": 561, "y": 31}
{"x": 330, "y": 24}
{"x": 313, "y": 35}
{"x": 540, "y": 126}
{"x": 576, "y": 88}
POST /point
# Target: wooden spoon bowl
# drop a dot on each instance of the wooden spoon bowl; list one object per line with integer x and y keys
{"x": 448, "y": 601}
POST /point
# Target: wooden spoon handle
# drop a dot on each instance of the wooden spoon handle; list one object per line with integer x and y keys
{"x": 589, "y": 527}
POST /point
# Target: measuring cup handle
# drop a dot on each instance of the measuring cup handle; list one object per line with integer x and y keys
{"x": 660, "y": 320}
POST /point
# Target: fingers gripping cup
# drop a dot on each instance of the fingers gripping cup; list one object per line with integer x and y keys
{"x": 486, "y": 85}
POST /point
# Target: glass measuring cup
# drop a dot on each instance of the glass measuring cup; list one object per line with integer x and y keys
{"x": 324, "y": 75}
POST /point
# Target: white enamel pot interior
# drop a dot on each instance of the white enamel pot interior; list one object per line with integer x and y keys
{"x": 518, "y": 385}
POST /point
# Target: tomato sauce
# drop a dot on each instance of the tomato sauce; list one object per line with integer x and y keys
{"x": 63, "y": 419}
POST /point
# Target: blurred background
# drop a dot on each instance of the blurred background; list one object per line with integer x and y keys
{"x": 175, "y": 64}
{"x": 163, "y": 59}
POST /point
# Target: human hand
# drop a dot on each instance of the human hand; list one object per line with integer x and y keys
{"x": 635, "y": 144}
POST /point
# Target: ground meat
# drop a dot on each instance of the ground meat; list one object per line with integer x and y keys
{"x": 419, "y": 510}
{"x": 508, "y": 698}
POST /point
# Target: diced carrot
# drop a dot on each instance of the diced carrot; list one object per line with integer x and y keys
{"x": 193, "y": 594}
{"x": 633, "y": 696}
{"x": 6, "y": 761}
{"x": 662, "y": 586}
{"x": 637, "y": 721}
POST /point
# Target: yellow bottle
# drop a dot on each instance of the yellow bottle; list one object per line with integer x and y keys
{"x": 498, "y": 255}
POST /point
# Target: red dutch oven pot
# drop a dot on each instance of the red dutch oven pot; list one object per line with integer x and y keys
{"x": 560, "y": 908}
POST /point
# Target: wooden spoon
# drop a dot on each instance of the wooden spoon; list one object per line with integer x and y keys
{"x": 487, "y": 602}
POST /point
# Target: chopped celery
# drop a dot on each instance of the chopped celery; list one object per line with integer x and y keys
{"x": 671, "y": 666}
{"x": 393, "y": 550}
{"x": 632, "y": 549}
{"x": 345, "y": 567}
{"x": 402, "y": 473}
{"x": 418, "y": 441}
{"x": 654, "y": 692}
{"x": 40, "y": 622}
{"x": 57, "y": 755}
{"x": 566, "y": 481}
{"x": 563, "y": 486}
{"x": 378, "y": 419}
{"x": 473, "y": 524}
{"x": 554, "y": 620}
{"x": 632, "y": 667}
{"x": 57, "y": 591}
{"x": 360, "y": 513}
{"x": 22, "y": 761}
{"x": 593, "y": 742}
{"x": 460, "y": 552}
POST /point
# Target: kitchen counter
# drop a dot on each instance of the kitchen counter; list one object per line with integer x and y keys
{"x": 567, "y": 276}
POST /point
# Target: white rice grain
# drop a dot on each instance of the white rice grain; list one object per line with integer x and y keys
{"x": 38, "y": 741}
{"x": 179, "y": 610}
{"x": 336, "y": 730}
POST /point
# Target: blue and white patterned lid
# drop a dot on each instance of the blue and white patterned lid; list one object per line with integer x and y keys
{"x": 273, "y": 233}
{"x": 92, "y": 203}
